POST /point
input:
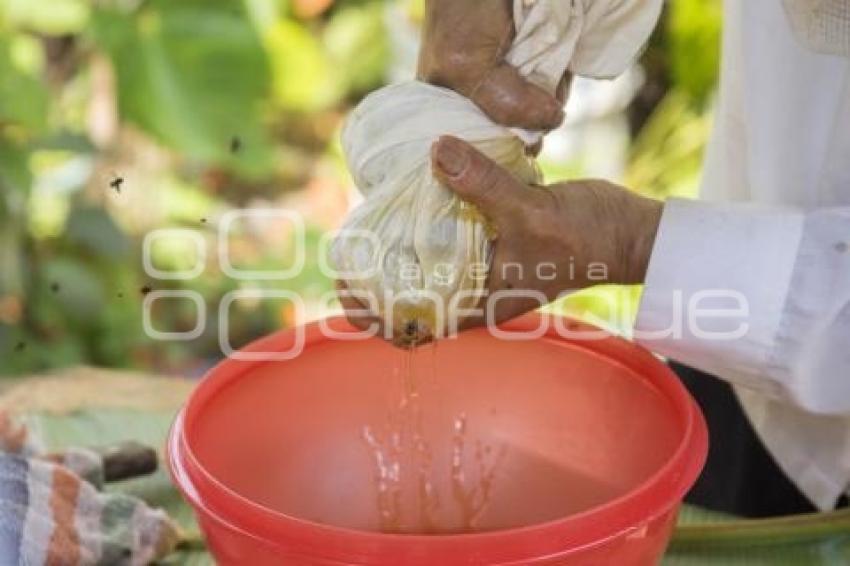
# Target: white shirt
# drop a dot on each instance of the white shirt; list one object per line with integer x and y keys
{"x": 775, "y": 228}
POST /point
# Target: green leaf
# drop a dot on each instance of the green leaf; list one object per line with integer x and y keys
{"x": 94, "y": 230}
{"x": 194, "y": 75}
{"x": 15, "y": 175}
{"x": 694, "y": 48}
{"x": 666, "y": 156}
{"x": 83, "y": 295}
{"x": 810, "y": 539}
{"x": 23, "y": 97}
{"x": 313, "y": 72}
{"x": 304, "y": 78}
{"x": 52, "y": 17}
{"x": 11, "y": 260}
{"x": 356, "y": 42}
{"x": 15, "y": 180}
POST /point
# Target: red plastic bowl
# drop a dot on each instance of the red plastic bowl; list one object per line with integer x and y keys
{"x": 587, "y": 448}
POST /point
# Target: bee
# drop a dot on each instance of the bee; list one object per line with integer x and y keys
{"x": 116, "y": 183}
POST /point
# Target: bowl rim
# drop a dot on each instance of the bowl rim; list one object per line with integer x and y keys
{"x": 658, "y": 494}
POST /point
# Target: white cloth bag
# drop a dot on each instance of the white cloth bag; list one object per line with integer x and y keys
{"x": 414, "y": 253}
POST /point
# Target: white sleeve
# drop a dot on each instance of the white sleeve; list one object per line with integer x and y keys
{"x": 756, "y": 295}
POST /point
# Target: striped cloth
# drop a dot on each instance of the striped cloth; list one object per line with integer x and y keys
{"x": 52, "y": 512}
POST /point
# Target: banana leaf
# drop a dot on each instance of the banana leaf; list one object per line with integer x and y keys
{"x": 810, "y": 539}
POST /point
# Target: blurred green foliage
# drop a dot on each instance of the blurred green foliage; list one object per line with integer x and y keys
{"x": 202, "y": 107}
{"x": 666, "y": 155}
{"x": 671, "y": 116}
{"x": 191, "y": 74}
{"x": 694, "y": 47}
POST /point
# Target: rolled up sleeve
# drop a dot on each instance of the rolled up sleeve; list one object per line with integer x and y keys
{"x": 756, "y": 295}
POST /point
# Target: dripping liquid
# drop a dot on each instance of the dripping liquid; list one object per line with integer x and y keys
{"x": 416, "y": 490}
{"x": 472, "y": 497}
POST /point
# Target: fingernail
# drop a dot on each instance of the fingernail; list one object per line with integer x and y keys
{"x": 452, "y": 157}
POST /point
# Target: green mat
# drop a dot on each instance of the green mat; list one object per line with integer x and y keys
{"x": 702, "y": 537}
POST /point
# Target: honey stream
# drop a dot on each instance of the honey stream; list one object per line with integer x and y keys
{"x": 404, "y": 456}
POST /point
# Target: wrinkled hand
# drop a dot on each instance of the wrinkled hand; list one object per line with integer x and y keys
{"x": 464, "y": 43}
{"x": 564, "y": 237}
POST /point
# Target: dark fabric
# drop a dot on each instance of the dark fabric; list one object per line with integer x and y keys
{"x": 740, "y": 475}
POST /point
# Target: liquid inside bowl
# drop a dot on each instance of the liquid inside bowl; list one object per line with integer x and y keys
{"x": 468, "y": 435}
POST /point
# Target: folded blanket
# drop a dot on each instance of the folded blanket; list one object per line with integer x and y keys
{"x": 52, "y": 512}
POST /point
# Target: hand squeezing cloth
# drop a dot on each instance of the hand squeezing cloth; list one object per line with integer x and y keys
{"x": 412, "y": 251}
